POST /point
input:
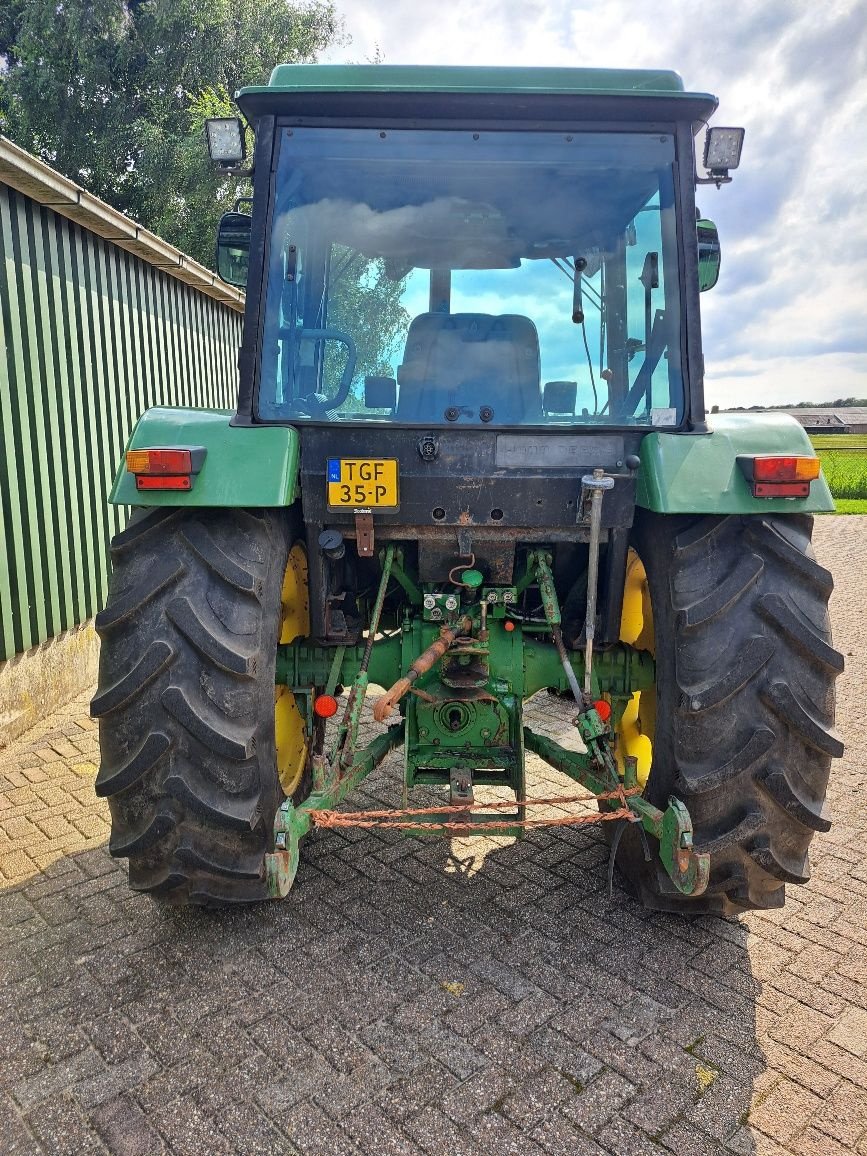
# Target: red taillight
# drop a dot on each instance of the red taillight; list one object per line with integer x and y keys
{"x": 779, "y": 476}
{"x": 165, "y": 467}
{"x": 182, "y": 482}
{"x": 774, "y": 469}
{"x": 325, "y": 705}
{"x": 159, "y": 462}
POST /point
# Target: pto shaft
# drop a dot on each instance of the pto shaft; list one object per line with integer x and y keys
{"x": 385, "y": 705}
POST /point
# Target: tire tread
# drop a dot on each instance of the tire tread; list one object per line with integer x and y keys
{"x": 745, "y": 706}
{"x": 185, "y": 700}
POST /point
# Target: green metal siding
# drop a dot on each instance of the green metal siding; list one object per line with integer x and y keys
{"x": 90, "y": 337}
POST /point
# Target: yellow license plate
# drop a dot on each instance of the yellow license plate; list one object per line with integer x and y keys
{"x": 362, "y": 483}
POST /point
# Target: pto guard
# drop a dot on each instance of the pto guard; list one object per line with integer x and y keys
{"x": 699, "y": 473}
{"x": 225, "y": 479}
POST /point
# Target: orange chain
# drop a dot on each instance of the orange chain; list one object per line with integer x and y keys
{"x": 404, "y": 819}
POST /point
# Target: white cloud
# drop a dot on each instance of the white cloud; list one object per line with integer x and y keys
{"x": 791, "y": 306}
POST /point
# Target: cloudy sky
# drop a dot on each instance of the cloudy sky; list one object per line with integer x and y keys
{"x": 788, "y": 319}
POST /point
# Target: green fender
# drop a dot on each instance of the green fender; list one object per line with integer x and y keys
{"x": 243, "y": 465}
{"x": 699, "y": 473}
{"x": 680, "y": 473}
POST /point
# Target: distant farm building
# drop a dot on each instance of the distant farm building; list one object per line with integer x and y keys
{"x": 831, "y": 421}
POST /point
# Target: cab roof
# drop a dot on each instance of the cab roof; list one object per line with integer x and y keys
{"x": 495, "y": 92}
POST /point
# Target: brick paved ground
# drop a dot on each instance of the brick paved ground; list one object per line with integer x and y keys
{"x": 427, "y": 998}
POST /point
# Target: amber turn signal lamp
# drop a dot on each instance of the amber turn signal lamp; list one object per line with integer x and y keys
{"x": 159, "y": 461}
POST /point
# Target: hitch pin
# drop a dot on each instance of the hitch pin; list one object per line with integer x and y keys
{"x": 596, "y": 483}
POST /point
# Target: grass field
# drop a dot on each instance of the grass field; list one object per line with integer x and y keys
{"x": 839, "y": 441}
{"x": 844, "y": 464}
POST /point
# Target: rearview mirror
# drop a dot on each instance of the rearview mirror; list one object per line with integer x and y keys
{"x": 708, "y": 254}
{"x": 233, "y": 248}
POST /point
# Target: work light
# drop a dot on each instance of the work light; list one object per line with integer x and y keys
{"x": 722, "y": 149}
{"x": 226, "y": 144}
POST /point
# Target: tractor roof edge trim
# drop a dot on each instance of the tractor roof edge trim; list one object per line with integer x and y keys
{"x": 660, "y": 91}
{"x": 457, "y": 78}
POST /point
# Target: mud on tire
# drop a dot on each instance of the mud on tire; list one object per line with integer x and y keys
{"x": 186, "y": 700}
{"x": 745, "y": 702}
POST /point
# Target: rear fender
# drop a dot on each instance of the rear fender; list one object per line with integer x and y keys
{"x": 251, "y": 466}
{"x": 699, "y": 473}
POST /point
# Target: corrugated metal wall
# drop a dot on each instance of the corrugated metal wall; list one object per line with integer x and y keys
{"x": 90, "y": 337}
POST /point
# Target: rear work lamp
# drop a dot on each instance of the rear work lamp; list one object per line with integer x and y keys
{"x": 226, "y": 142}
{"x": 722, "y": 152}
{"x": 165, "y": 467}
{"x": 777, "y": 476}
{"x": 722, "y": 148}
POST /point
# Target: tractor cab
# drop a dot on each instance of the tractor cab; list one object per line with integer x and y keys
{"x": 473, "y": 247}
{"x": 453, "y": 275}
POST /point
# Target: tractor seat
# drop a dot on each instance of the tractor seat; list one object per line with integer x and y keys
{"x": 467, "y": 361}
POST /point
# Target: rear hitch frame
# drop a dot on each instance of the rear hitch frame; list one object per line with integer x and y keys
{"x": 594, "y": 768}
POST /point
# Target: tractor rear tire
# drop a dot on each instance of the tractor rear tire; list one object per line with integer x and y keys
{"x": 185, "y": 700}
{"x": 745, "y": 676}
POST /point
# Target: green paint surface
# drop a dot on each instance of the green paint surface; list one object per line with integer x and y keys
{"x": 244, "y": 465}
{"x": 443, "y": 78}
{"x": 699, "y": 473}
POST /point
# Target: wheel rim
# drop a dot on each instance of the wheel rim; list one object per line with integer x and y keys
{"x": 636, "y": 727}
{"x": 290, "y": 732}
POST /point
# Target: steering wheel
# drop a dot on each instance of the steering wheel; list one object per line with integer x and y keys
{"x": 316, "y": 404}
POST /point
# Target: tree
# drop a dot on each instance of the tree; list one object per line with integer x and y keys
{"x": 113, "y": 93}
{"x": 366, "y": 301}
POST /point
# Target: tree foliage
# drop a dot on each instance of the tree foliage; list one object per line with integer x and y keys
{"x": 367, "y": 302}
{"x": 113, "y": 93}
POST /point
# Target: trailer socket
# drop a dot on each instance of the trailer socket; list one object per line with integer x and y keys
{"x": 428, "y": 448}
{"x": 332, "y": 545}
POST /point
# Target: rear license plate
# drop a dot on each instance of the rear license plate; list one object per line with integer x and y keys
{"x": 362, "y": 483}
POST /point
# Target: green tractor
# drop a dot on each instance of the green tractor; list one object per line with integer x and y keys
{"x": 470, "y": 462}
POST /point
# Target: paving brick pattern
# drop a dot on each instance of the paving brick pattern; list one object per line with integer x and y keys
{"x": 448, "y": 999}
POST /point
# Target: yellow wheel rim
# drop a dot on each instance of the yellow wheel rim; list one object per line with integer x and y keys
{"x": 294, "y": 599}
{"x": 636, "y": 727}
{"x": 290, "y": 733}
